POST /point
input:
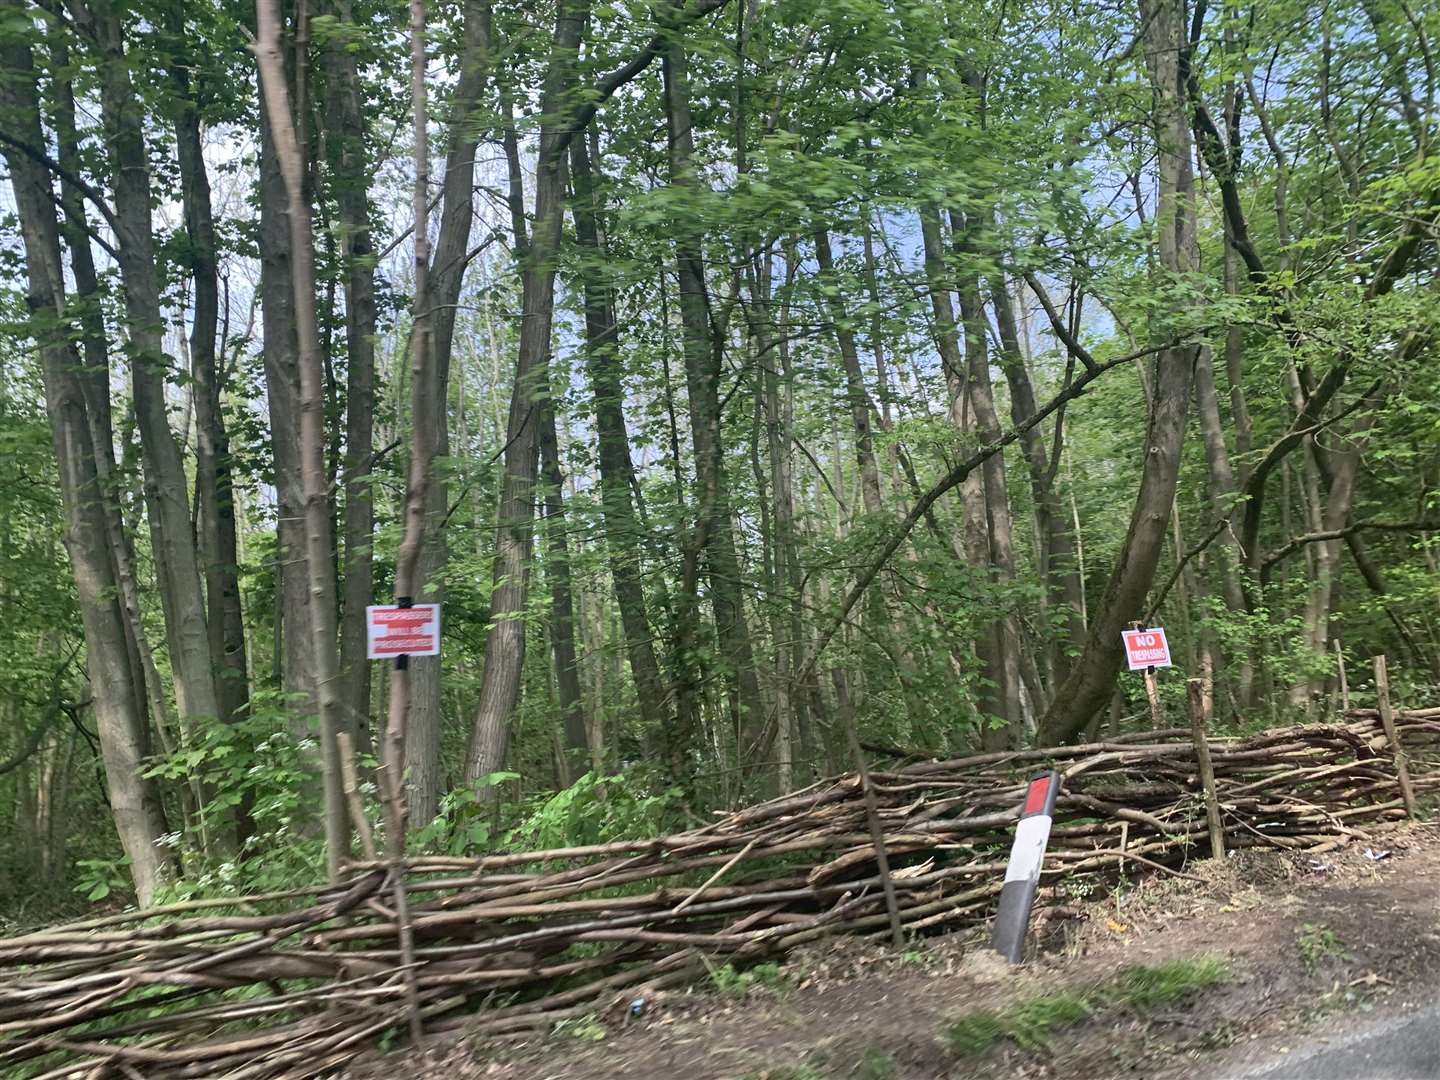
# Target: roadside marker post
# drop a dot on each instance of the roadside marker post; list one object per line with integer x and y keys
{"x": 1022, "y": 875}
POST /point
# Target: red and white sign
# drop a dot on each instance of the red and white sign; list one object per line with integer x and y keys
{"x": 402, "y": 631}
{"x": 1146, "y": 648}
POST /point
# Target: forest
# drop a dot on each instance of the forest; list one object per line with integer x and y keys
{"x": 759, "y": 386}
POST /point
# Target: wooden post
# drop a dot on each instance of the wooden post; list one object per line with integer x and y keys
{"x": 1344, "y": 683}
{"x": 1196, "y": 691}
{"x": 1387, "y": 718}
{"x": 1152, "y": 688}
{"x": 1152, "y": 692}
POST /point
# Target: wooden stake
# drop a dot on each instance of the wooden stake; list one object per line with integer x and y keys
{"x": 351, "y": 785}
{"x": 1344, "y": 683}
{"x": 1387, "y": 718}
{"x": 1152, "y": 688}
{"x": 1152, "y": 693}
{"x": 1196, "y": 692}
{"x": 877, "y": 834}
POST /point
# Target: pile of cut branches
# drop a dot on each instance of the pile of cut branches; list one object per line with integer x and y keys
{"x": 299, "y": 984}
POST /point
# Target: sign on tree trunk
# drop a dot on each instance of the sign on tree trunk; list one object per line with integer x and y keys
{"x": 402, "y": 631}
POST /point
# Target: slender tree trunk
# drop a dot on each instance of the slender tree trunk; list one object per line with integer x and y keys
{"x": 134, "y": 802}
{"x": 702, "y": 351}
{"x": 855, "y": 392}
{"x": 989, "y": 643}
{"x": 294, "y": 654}
{"x": 446, "y": 278}
{"x": 999, "y": 523}
{"x": 212, "y": 445}
{"x": 1059, "y": 565}
{"x": 1344, "y": 467}
{"x": 505, "y": 640}
{"x": 1223, "y": 493}
{"x": 1089, "y": 686}
{"x": 562, "y": 603}
{"x": 319, "y": 526}
{"x": 166, "y": 491}
{"x": 623, "y": 533}
{"x": 349, "y": 180}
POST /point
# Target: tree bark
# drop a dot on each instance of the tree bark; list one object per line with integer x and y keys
{"x": 1089, "y": 686}
{"x": 319, "y": 527}
{"x": 623, "y": 533}
{"x": 1059, "y": 564}
{"x": 999, "y": 523}
{"x": 505, "y": 640}
{"x": 294, "y": 658}
{"x": 702, "y": 350}
{"x": 1223, "y": 493}
{"x": 134, "y": 802}
{"x": 447, "y": 269}
{"x": 562, "y": 602}
{"x": 989, "y": 643}
{"x": 855, "y": 392}
{"x": 166, "y": 491}
{"x": 349, "y": 180}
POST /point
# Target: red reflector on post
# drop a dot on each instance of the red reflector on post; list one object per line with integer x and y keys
{"x": 1035, "y": 796}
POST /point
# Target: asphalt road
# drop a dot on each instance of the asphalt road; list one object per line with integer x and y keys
{"x": 1398, "y": 1047}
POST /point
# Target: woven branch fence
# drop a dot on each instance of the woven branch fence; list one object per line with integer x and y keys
{"x": 300, "y": 984}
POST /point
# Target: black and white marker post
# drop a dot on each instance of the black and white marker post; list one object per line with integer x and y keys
{"x": 1022, "y": 875}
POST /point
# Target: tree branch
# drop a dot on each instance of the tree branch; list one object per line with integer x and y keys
{"x": 606, "y": 88}
{"x": 952, "y": 479}
{"x": 1296, "y": 543}
{"x": 1071, "y": 342}
{"x": 80, "y": 185}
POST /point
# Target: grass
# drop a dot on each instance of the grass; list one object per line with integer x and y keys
{"x": 1031, "y": 1021}
{"x": 874, "y": 1064}
{"x": 1318, "y": 944}
{"x": 728, "y": 980}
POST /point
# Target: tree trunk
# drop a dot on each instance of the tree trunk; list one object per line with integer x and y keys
{"x": 319, "y": 526}
{"x": 623, "y": 533}
{"x": 505, "y": 640}
{"x": 989, "y": 643}
{"x": 999, "y": 524}
{"x": 1059, "y": 566}
{"x": 1223, "y": 493}
{"x": 166, "y": 492}
{"x": 217, "y": 535}
{"x": 1089, "y": 686}
{"x": 702, "y": 351}
{"x": 446, "y": 277}
{"x": 562, "y": 603}
{"x": 294, "y": 657}
{"x": 134, "y": 802}
{"x": 1344, "y": 468}
{"x": 855, "y": 392}
{"x": 349, "y": 178}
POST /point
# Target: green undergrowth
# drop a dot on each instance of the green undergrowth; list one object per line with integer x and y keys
{"x": 1031, "y": 1021}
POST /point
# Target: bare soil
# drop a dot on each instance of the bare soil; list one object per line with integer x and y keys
{"x": 1313, "y": 942}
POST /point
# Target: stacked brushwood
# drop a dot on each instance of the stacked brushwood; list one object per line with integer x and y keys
{"x": 299, "y": 984}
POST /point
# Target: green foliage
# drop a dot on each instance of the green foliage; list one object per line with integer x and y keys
{"x": 465, "y": 821}
{"x": 1151, "y": 986}
{"x": 874, "y": 1064}
{"x": 1318, "y": 944}
{"x": 97, "y": 879}
{"x": 728, "y": 979}
{"x": 788, "y": 1072}
{"x": 1032, "y": 1020}
{"x": 596, "y": 809}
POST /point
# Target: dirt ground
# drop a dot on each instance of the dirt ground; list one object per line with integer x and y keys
{"x": 1312, "y": 942}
